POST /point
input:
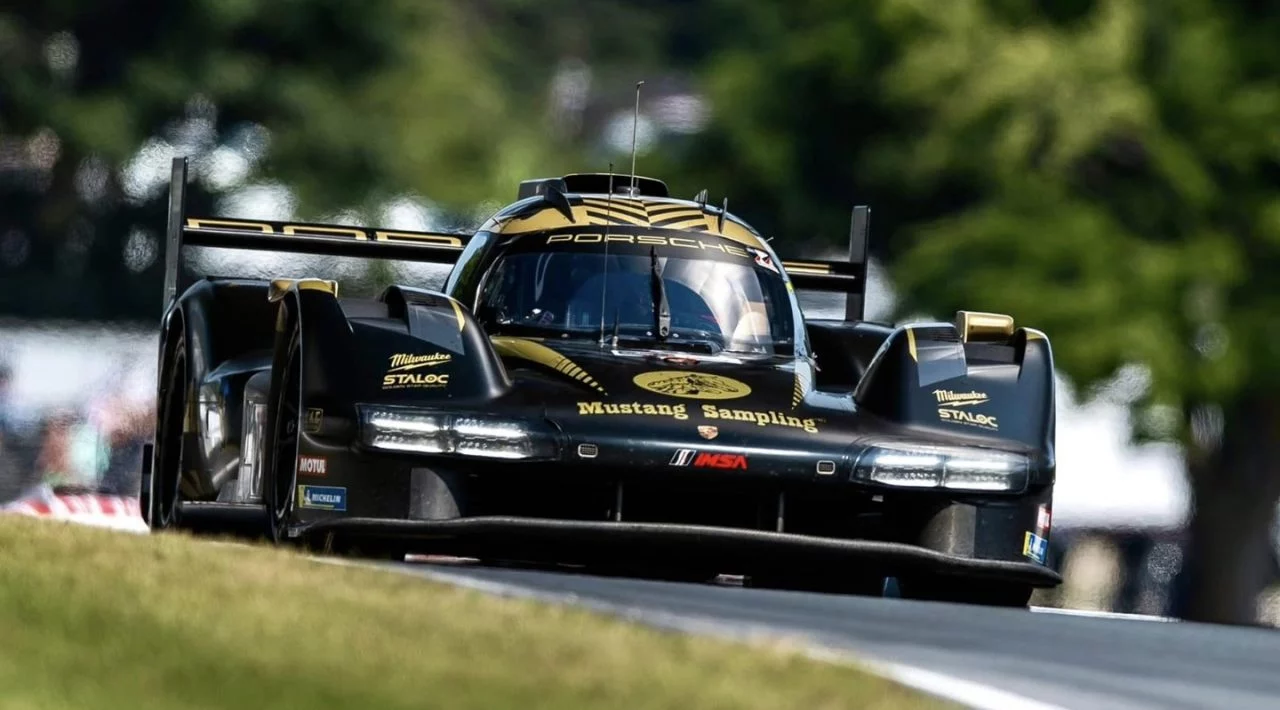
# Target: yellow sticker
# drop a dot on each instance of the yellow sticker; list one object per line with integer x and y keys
{"x": 692, "y": 385}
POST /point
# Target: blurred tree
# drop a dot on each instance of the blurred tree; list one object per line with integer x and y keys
{"x": 1105, "y": 170}
{"x": 346, "y": 102}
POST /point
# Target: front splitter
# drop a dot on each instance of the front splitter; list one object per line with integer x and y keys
{"x": 727, "y": 549}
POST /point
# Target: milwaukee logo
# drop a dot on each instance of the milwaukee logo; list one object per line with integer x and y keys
{"x": 947, "y": 398}
{"x": 401, "y": 362}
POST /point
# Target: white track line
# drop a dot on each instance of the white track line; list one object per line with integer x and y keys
{"x": 960, "y": 690}
{"x": 1101, "y": 614}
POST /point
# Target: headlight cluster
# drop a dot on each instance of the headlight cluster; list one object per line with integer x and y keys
{"x": 949, "y": 467}
{"x": 422, "y": 431}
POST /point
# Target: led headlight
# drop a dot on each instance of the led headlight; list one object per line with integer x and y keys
{"x": 958, "y": 468}
{"x": 431, "y": 432}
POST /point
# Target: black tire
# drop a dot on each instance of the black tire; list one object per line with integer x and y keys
{"x": 649, "y": 571}
{"x": 958, "y": 590}
{"x": 823, "y": 583}
{"x": 163, "y": 506}
{"x": 280, "y": 477}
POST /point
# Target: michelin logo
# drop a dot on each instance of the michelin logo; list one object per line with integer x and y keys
{"x": 1035, "y": 547}
{"x": 322, "y": 498}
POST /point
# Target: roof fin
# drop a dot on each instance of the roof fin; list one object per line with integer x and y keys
{"x": 724, "y": 210}
{"x": 553, "y": 194}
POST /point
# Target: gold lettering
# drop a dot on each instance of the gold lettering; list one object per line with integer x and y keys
{"x": 434, "y": 239}
{"x": 711, "y": 411}
{"x": 678, "y": 411}
{"x": 194, "y": 223}
{"x": 559, "y": 238}
{"x": 304, "y": 230}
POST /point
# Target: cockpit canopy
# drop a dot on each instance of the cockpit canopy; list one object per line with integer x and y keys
{"x": 726, "y": 298}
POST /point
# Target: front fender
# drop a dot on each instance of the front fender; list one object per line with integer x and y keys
{"x": 429, "y": 350}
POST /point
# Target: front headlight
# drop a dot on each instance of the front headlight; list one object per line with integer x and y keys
{"x": 959, "y": 468}
{"x": 431, "y": 432}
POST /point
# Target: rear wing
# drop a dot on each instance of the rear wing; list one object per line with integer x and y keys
{"x": 848, "y": 277}
{"x": 295, "y": 237}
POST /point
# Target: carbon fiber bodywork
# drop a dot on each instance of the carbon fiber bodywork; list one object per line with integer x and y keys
{"x": 729, "y": 463}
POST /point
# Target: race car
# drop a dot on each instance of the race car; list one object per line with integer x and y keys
{"x": 609, "y": 379}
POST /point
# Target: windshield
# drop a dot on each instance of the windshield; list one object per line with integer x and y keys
{"x": 739, "y": 305}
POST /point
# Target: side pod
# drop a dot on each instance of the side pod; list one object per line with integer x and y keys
{"x": 978, "y": 377}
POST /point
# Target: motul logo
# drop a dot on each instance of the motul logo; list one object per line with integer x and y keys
{"x": 311, "y": 466}
{"x": 720, "y": 461}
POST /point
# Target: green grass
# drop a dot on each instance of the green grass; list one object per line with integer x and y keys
{"x": 95, "y": 619}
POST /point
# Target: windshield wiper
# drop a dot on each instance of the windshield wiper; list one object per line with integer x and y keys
{"x": 661, "y": 309}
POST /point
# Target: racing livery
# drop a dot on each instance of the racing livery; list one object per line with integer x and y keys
{"x": 608, "y": 378}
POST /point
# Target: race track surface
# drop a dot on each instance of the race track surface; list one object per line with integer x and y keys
{"x": 1061, "y": 661}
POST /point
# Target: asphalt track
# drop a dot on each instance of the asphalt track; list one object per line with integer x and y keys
{"x": 986, "y": 658}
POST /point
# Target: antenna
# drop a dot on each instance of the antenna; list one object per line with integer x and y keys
{"x": 604, "y": 283}
{"x": 635, "y": 125}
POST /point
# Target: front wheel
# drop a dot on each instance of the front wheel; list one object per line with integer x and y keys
{"x": 283, "y": 406}
{"x": 163, "y": 499}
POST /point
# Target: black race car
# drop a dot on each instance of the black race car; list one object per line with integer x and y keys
{"x": 611, "y": 379}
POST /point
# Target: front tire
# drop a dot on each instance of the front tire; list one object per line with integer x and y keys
{"x": 283, "y": 415}
{"x": 164, "y": 504}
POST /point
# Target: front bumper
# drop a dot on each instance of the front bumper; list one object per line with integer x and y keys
{"x": 726, "y": 550}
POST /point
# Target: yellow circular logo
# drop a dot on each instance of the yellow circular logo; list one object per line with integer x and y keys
{"x": 692, "y": 385}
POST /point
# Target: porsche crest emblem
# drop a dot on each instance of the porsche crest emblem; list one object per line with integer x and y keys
{"x": 692, "y": 385}
{"x": 708, "y": 432}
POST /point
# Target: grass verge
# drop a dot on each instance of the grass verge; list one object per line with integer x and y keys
{"x": 95, "y": 619}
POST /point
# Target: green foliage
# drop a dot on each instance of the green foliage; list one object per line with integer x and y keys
{"x": 1131, "y": 153}
{"x": 1100, "y": 170}
{"x": 347, "y": 103}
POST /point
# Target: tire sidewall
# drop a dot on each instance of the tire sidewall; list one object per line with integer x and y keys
{"x": 280, "y": 512}
{"x": 169, "y": 436}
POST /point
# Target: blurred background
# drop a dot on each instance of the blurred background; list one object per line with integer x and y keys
{"x": 1105, "y": 170}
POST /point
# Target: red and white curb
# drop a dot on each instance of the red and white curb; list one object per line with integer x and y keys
{"x": 95, "y": 510}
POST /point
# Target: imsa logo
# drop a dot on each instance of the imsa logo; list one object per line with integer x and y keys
{"x": 691, "y": 457}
